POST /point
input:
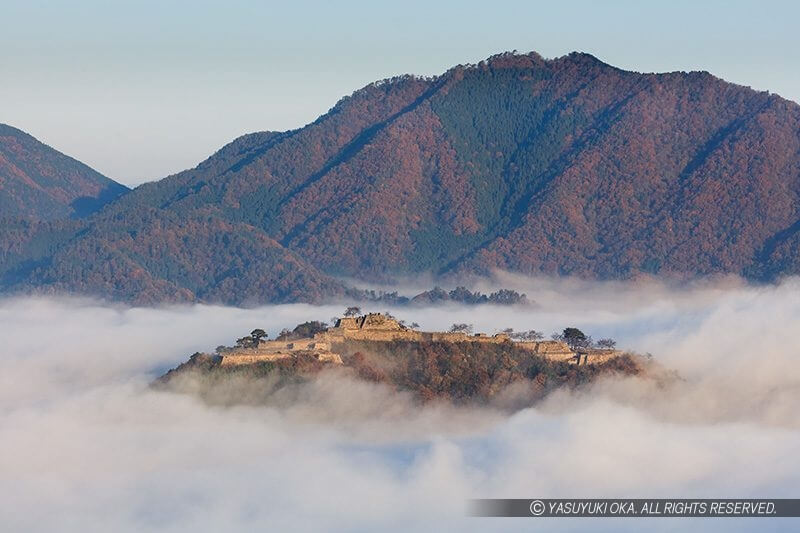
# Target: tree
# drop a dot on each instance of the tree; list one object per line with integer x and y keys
{"x": 508, "y": 297}
{"x": 258, "y": 334}
{"x": 576, "y": 338}
{"x": 307, "y": 329}
{"x": 608, "y": 344}
{"x": 531, "y": 335}
{"x": 461, "y": 328}
{"x": 414, "y": 325}
{"x": 464, "y": 295}
{"x": 252, "y": 340}
{"x": 245, "y": 342}
{"x": 352, "y": 311}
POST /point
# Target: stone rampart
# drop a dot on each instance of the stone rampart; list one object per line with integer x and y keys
{"x": 553, "y": 350}
{"x": 381, "y": 328}
{"x": 274, "y": 350}
{"x": 234, "y": 359}
{"x": 597, "y": 356}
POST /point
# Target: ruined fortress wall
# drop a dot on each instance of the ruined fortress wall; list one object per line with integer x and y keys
{"x": 338, "y": 335}
{"x": 274, "y": 350}
{"x": 347, "y": 322}
{"x": 552, "y": 347}
{"x": 307, "y": 344}
{"x": 560, "y": 351}
{"x": 248, "y": 359}
{"x": 280, "y": 346}
{"x": 383, "y": 335}
{"x": 595, "y": 357}
{"x": 544, "y": 347}
{"x": 553, "y": 350}
{"x": 380, "y": 329}
{"x": 380, "y": 322}
{"x": 236, "y": 352}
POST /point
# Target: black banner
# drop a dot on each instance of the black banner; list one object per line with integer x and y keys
{"x": 637, "y": 508}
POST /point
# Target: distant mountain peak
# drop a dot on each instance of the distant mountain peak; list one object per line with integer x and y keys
{"x": 40, "y": 182}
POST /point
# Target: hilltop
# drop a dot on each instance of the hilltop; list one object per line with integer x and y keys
{"x": 454, "y": 366}
{"x": 41, "y": 183}
{"x": 565, "y": 166}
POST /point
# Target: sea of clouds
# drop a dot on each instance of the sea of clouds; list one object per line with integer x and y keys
{"x": 86, "y": 445}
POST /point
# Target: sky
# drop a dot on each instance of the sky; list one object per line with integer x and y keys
{"x": 140, "y": 90}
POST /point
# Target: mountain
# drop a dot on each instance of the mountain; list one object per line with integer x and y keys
{"x": 563, "y": 167}
{"x": 39, "y": 182}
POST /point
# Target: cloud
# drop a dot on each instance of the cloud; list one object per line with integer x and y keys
{"x": 85, "y": 445}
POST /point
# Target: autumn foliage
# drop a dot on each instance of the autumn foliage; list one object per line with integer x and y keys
{"x": 563, "y": 167}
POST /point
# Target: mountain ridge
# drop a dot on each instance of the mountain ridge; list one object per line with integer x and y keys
{"x": 40, "y": 182}
{"x": 568, "y": 166}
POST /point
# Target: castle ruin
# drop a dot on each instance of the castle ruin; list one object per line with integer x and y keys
{"x": 379, "y": 327}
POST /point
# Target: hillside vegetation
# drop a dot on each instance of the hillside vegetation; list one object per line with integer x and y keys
{"x": 41, "y": 183}
{"x": 561, "y": 167}
{"x": 463, "y": 372}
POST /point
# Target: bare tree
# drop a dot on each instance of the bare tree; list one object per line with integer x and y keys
{"x": 531, "y": 335}
{"x": 461, "y": 328}
{"x": 352, "y": 311}
{"x": 608, "y": 344}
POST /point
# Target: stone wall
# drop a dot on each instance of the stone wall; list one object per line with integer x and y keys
{"x": 293, "y": 345}
{"x": 338, "y": 335}
{"x": 371, "y": 321}
{"x": 553, "y": 350}
{"x": 597, "y": 356}
{"x": 234, "y": 359}
{"x": 347, "y": 322}
{"x": 380, "y": 328}
{"x": 273, "y": 350}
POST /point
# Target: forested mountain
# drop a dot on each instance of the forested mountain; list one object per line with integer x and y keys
{"x": 39, "y": 182}
{"x": 566, "y": 166}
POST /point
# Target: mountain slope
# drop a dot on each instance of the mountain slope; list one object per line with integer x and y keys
{"x": 39, "y": 182}
{"x": 564, "y": 166}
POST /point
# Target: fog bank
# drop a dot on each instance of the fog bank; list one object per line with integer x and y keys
{"x": 85, "y": 445}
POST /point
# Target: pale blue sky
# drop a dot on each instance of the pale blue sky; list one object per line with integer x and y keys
{"x": 139, "y": 90}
